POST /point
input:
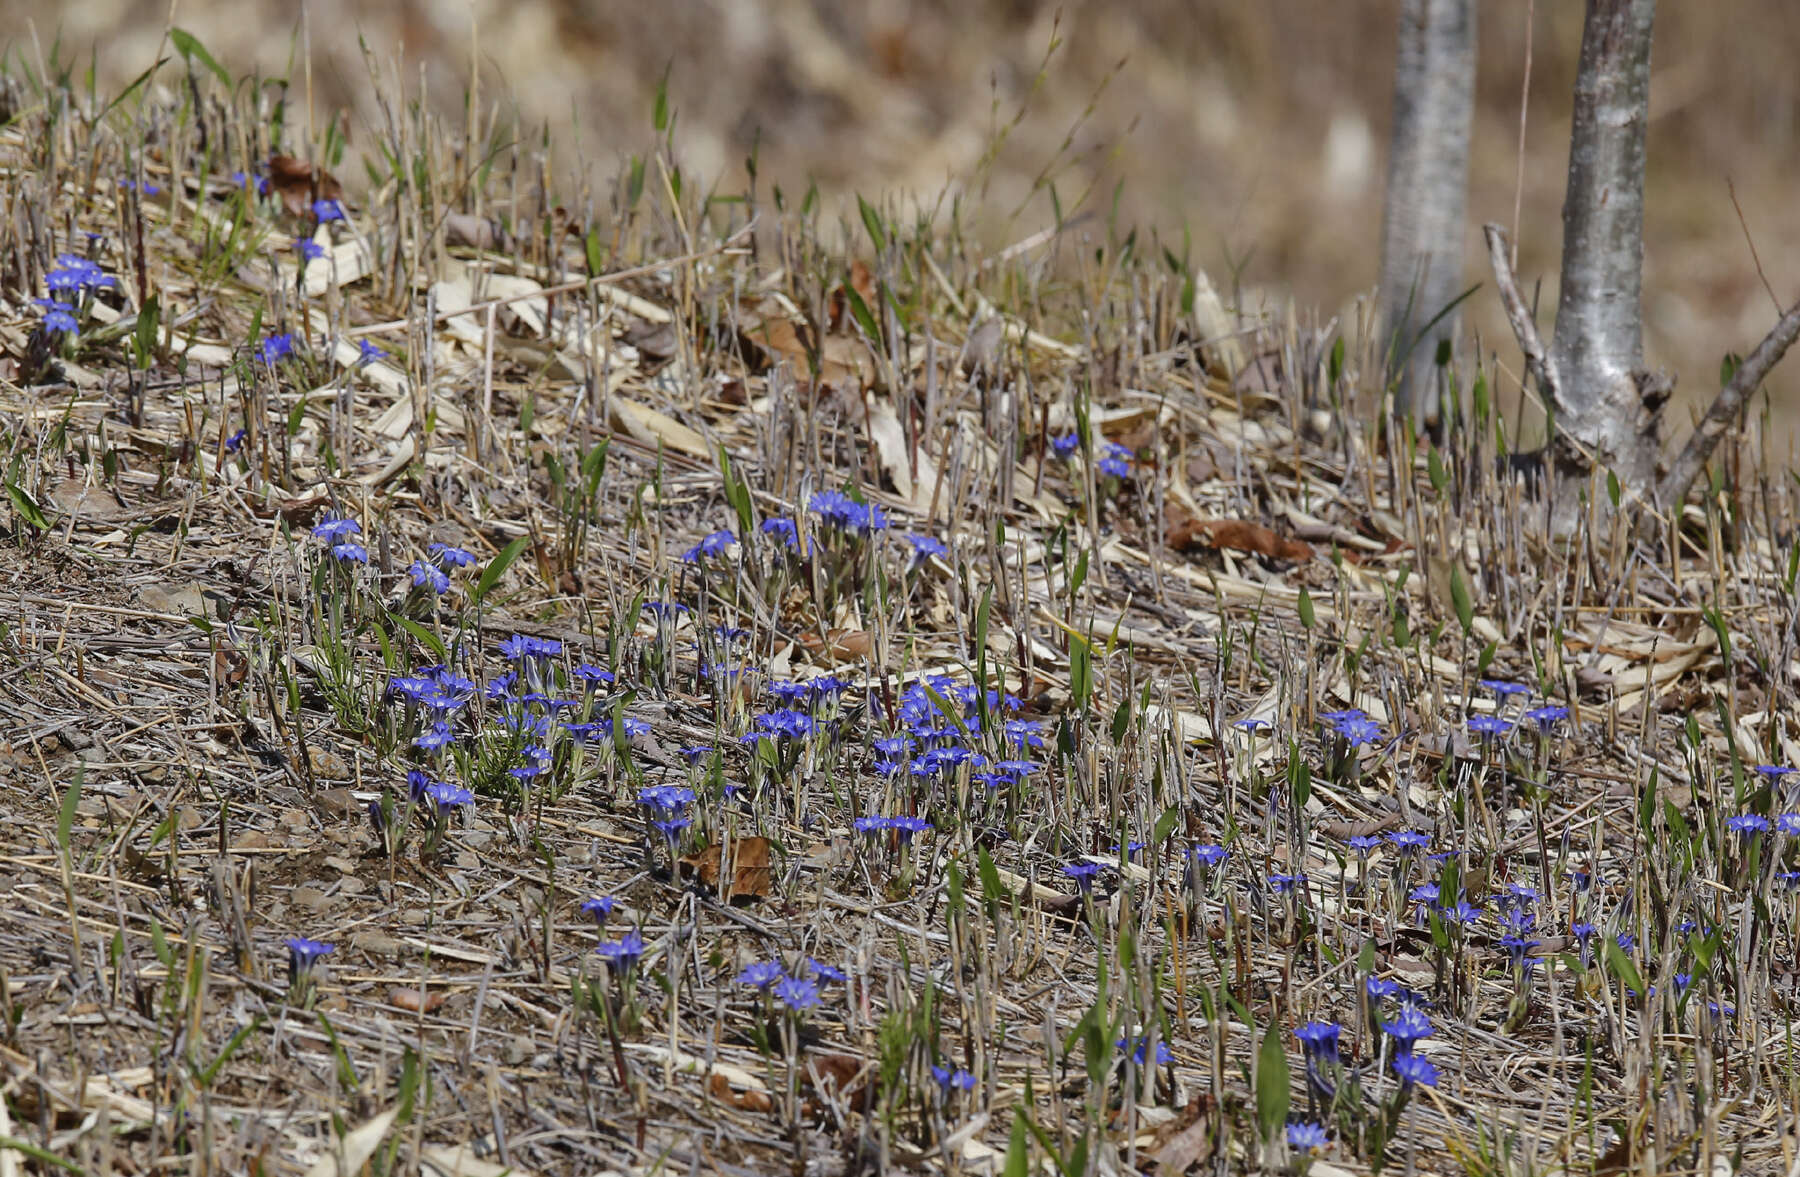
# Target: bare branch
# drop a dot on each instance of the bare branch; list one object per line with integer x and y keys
{"x": 1726, "y": 407}
{"x": 1537, "y": 360}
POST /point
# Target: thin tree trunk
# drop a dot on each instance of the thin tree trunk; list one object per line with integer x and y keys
{"x": 1608, "y": 404}
{"x": 1427, "y": 186}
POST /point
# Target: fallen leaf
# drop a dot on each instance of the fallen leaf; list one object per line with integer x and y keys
{"x": 1185, "y": 531}
{"x": 355, "y": 1149}
{"x": 650, "y": 427}
{"x": 484, "y": 233}
{"x": 840, "y": 1071}
{"x": 751, "y": 876}
{"x": 410, "y": 999}
{"x": 862, "y": 280}
{"x": 744, "y": 1101}
{"x": 1188, "y": 1144}
{"x": 844, "y": 361}
{"x": 293, "y": 180}
{"x": 897, "y": 458}
{"x": 839, "y": 644}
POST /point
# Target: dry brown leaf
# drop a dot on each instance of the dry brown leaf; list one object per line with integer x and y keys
{"x": 1185, "y": 531}
{"x": 650, "y": 427}
{"x": 839, "y": 645}
{"x": 1181, "y": 1148}
{"x": 840, "y": 1071}
{"x": 411, "y": 999}
{"x": 751, "y": 875}
{"x": 483, "y": 233}
{"x": 293, "y": 180}
{"x": 744, "y": 1101}
{"x": 862, "y": 280}
{"x": 844, "y": 361}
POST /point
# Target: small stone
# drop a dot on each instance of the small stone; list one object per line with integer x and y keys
{"x": 311, "y": 899}
{"x": 342, "y": 866}
{"x": 376, "y": 943}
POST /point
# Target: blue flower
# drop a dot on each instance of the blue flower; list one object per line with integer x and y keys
{"x": 1083, "y": 873}
{"x": 871, "y": 826}
{"x": 334, "y": 528}
{"x": 367, "y": 353}
{"x": 711, "y": 548}
{"x": 1789, "y": 824}
{"x": 824, "y": 972}
{"x": 448, "y": 556}
{"x": 327, "y": 210}
{"x": 762, "y": 974}
{"x": 1136, "y": 1047}
{"x": 147, "y": 188}
{"x": 1407, "y": 840}
{"x": 429, "y": 576}
{"x": 1024, "y": 733}
{"x": 1065, "y": 445}
{"x": 433, "y": 738}
{"x": 1379, "y": 989}
{"x": 599, "y": 907}
{"x": 445, "y": 797}
{"x": 235, "y": 442}
{"x": 1425, "y": 893}
{"x": 841, "y": 511}
{"x": 924, "y": 547}
{"x": 1414, "y": 1070}
{"x": 1775, "y": 771}
{"x": 784, "y": 530}
{"x": 907, "y": 826}
{"x": 75, "y": 276}
{"x": 1117, "y": 462}
{"x": 1460, "y": 912}
{"x": 1320, "y": 1040}
{"x": 1407, "y": 1029}
{"x": 276, "y": 347}
{"x": 1209, "y": 855}
{"x": 592, "y": 676}
{"x": 1748, "y": 824}
{"x": 1503, "y": 689}
{"x": 796, "y": 994}
{"x": 1357, "y": 731}
{"x": 350, "y": 553}
{"x": 1307, "y": 1138}
{"x": 1253, "y": 725}
{"x": 665, "y": 802}
{"x": 622, "y": 955}
{"x": 308, "y": 249}
{"x": 58, "y": 316}
{"x": 1283, "y": 884}
{"x": 1518, "y": 950}
{"x": 1363, "y": 843}
{"x": 302, "y": 955}
{"x": 1489, "y": 726}
{"x": 952, "y": 1079}
{"x": 1546, "y": 717}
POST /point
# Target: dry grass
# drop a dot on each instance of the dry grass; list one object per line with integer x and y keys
{"x": 201, "y": 700}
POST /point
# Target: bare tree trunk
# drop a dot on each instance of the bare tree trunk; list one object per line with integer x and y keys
{"x": 1606, "y": 403}
{"x": 1427, "y": 186}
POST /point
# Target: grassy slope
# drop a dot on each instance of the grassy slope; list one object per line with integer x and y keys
{"x": 224, "y": 767}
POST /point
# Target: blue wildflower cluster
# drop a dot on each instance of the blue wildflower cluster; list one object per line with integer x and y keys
{"x": 71, "y": 283}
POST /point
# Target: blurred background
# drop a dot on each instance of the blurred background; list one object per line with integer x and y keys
{"x": 1259, "y": 128}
